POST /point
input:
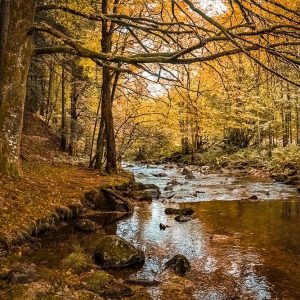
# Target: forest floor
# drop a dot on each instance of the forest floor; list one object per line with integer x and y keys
{"x": 51, "y": 181}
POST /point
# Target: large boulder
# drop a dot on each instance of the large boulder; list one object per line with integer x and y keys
{"x": 114, "y": 252}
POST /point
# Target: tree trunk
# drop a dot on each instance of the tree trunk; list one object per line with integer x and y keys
{"x": 111, "y": 153}
{"x": 63, "y": 141}
{"x": 15, "y": 59}
{"x": 73, "y": 131}
{"x": 50, "y": 88}
{"x": 100, "y": 145}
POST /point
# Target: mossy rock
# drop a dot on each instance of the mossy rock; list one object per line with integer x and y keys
{"x": 104, "y": 284}
{"x": 114, "y": 252}
{"x": 78, "y": 262}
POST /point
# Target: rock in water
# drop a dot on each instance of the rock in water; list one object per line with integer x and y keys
{"x": 86, "y": 225}
{"x": 168, "y": 188}
{"x": 160, "y": 175}
{"x": 179, "y": 264}
{"x": 162, "y": 226}
{"x": 179, "y": 211}
{"x": 114, "y": 252}
{"x": 183, "y": 219}
{"x": 187, "y": 171}
{"x": 190, "y": 177}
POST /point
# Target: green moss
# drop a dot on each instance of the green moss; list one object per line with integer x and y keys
{"x": 98, "y": 280}
{"x": 78, "y": 262}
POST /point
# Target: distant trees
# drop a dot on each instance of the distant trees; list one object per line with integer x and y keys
{"x": 170, "y": 33}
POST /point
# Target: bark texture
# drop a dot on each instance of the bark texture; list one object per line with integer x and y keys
{"x": 13, "y": 79}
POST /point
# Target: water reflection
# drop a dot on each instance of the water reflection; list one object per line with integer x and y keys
{"x": 238, "y": 249}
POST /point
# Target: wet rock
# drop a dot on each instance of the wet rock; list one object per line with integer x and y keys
{"x": 139, "y": 195}
{"x": 205, "y": 169}
{"x": 86, "y": 225}
{"x": 112, "y": 200}
{"x": 151, "y": 188}
{"x": 280, "y": 177}
{"x": 105, "y": 285}
{"x": 187, "y": 171}
{"x": 179, "y": 211}
{"x": 141, "y": 175}
{"x": 168, "y": 188}
{"x": 190, "y": 177}
{"x": 179, "y": 264}
{"x": 114, "y": 252}
{"x": 22, "y": 273}
{"x": 253, "y": 197}
{"x": 173, "y": 182}
{"x": 182, "y": 218}
{"x": 160, "y": 175}
{"x": 78, "y": 262}
{"x": 163, "y": 226}
{"x": 143, "y": 282}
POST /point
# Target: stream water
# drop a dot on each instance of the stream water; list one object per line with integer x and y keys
{"x": 238, "y": 249}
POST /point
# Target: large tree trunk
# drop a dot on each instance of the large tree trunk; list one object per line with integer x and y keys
{"x": 15, "y": 60}
{"x": 111, "y": 153}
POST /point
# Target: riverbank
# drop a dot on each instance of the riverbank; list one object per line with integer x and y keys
{"x": 52, "y": 185}
{"x": 44, "y": 194}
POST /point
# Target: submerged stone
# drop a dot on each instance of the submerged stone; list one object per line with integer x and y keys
{"x": 182, "y": 218}
{"x": 179, "y": 211}
{"x": 114, "y": 252}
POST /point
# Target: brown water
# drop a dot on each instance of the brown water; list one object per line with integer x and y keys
{"x": 238, "y": 249}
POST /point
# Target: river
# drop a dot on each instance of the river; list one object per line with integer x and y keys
{"x": 238, "y": 248}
